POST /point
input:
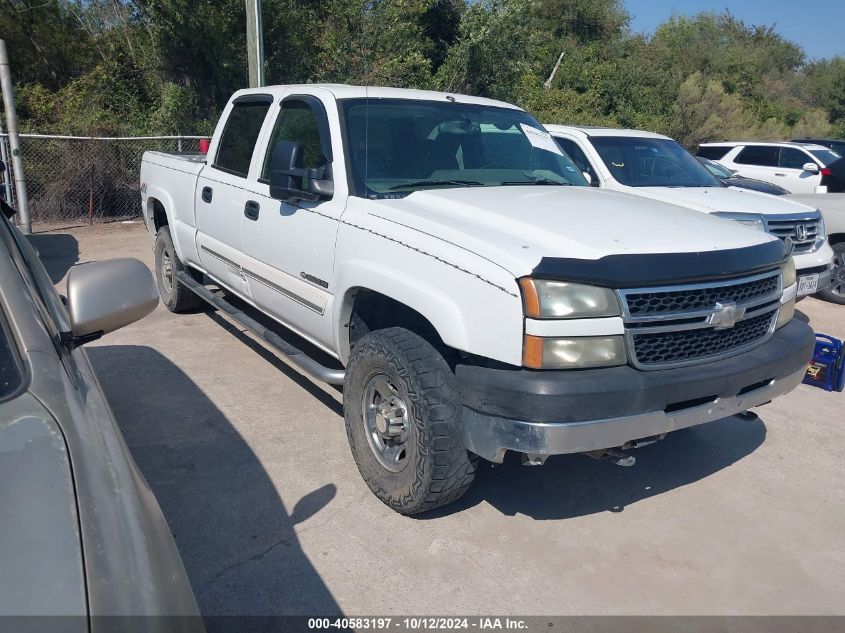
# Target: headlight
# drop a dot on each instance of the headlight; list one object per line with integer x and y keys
{"x": 748, "y": 219}
{"x": 788, "y": 273}
{"x": 576, "y": 352}
{"x": 821, "y": 232}
{"x": 546, "y": 299}
{"x": 787, "y": 311}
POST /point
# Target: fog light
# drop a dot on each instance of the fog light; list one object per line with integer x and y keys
{"x": 576, "y": 352}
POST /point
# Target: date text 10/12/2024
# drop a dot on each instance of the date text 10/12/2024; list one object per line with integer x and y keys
{"x": 480, "y": 623}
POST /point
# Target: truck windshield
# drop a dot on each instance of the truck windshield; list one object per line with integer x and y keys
{"x": 651, "y": 162}
{"x": 398, "y": 146}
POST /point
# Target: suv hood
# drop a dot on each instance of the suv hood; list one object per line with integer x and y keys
{"x": 722, "y": 199}
{"x": 517, "y": 226}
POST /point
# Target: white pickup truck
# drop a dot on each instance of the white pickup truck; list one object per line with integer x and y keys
{"x": 659, "y": 168}
{"x": 477, "y": 297}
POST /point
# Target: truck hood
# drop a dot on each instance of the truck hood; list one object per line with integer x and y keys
{"x": 721, "y": 199}
{"x": 515, "y": 227}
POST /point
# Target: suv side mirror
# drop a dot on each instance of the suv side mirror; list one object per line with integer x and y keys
{"x": 811, "y": 167}
{"x": 290, "y": 180}
{"x": 105, "y": 296}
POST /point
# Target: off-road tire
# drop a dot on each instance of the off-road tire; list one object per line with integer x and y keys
{"x": 178, "y": 297}
{"x": 828, "y": 293}
{"x": 439, "y": 469}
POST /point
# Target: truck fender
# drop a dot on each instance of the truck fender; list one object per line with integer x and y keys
{"x": 436, "y": 306}
{"x": 162, "y": 196}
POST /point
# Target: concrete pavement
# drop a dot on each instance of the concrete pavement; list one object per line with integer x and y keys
{"x": 250, "y": 463}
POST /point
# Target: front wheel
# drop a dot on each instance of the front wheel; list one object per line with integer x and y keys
{"x": 175, "y": 295}
{"x": 402, "y": 410}
{"x": 835, "y": 292}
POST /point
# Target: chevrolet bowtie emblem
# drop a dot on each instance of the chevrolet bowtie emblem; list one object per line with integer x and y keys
{"x": 725, "y": 315}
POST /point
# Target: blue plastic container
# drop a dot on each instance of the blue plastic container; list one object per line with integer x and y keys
{"x": 826, "y": 370}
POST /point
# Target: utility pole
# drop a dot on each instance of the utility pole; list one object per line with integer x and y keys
{"x": 255, "y": 43}
{"x": 6, "y": 172}
{"x": 14, "y": 140}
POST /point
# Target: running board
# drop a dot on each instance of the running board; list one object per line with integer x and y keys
{"x": 293, "y": 354}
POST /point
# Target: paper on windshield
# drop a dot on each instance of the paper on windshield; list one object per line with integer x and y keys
{"x": 540, "y": 139}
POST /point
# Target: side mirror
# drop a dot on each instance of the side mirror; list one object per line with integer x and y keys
{"x": 590, "y": 178}
{"x": 105, "y": 296}
{"x": 811, "y": 167}
{"x": 290, "y": 180}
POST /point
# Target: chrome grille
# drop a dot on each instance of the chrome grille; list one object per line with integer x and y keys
{"x": 662, "y": 348}
{"x": 803, "y": 231}
{"x": 685, "y": 325}
{"x": 673, "y": 301}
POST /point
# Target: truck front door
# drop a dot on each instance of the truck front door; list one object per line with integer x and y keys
{"x": 221, "y": 191}
{"x": 289, "y": 246}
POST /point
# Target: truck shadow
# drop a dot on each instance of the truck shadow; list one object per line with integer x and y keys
{"x": 234, "y": 533}
{"x": 569, "y": 486}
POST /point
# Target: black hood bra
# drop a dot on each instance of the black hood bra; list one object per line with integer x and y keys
{"x": 660, "y": 269}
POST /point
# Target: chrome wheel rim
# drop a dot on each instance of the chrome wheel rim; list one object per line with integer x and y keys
{"x": 386, "y": 423}
{"x": 837, "y": 286}
{"x": 166, "y": 271}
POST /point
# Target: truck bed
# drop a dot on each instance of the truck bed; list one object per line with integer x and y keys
{"x": 171, "y": 179}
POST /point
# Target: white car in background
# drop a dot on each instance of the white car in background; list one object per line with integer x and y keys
{"x": 657, "y": 167}
{"x": 797, "y": 167}
{"x": 832, "y": 207}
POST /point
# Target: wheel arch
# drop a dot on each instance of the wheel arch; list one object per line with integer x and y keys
{"x": 370, "y": 298}
{"x": 159, "y": 208}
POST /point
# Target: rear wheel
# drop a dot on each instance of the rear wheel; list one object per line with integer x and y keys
{"x": 174, "y": 295}
{"x": 835, "y": 292}
{"x": 402, "y": 410}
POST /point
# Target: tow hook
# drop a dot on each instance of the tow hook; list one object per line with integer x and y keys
{"x": 533, "y": 459}
{"x": 618, "y": 457}
{"x": 748, "y": 416}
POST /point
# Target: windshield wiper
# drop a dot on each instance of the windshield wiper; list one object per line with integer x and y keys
{"x": 430, "y": 183}
{"x": 538, "y": 181}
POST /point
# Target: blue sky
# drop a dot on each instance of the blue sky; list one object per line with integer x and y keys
{"x": 818, "y": 26}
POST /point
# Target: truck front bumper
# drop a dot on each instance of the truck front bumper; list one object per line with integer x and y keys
{"x": 554, "y": 412}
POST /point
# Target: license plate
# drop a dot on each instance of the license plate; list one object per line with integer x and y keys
{"x": 807, "y": 284}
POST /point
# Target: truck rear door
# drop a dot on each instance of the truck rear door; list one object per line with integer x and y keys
{"x": 220, "y": 193}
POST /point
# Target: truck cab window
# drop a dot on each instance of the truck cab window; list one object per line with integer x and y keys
{"x": 297, "y": 123}
{"x": 577, "y": 155}
{"x": 239, "y": 136}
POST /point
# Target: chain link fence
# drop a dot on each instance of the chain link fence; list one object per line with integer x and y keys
{"x": 87, "y": 179}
